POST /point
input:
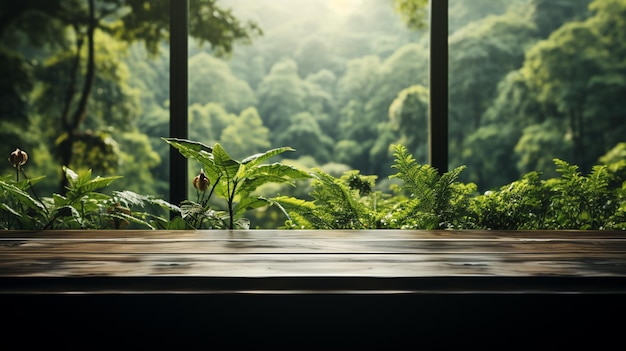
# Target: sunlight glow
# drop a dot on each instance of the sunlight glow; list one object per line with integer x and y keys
{"x": 344, "y": 7}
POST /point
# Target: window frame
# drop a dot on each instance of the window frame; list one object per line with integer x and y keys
{"x": 179, "y": 70}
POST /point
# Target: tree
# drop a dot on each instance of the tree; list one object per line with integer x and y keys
{"x": 408, "y": 115}
{"x": 574, "y": 76}
{"x": 414, "y": 12}
{"x": 540, "y": 144}
{"x": 312, "y": 55}
{"x": 245, "y": 134}
{"x": 481, "y": 55}
{"x": 211, "y": 80}
{"x": 281, "y": 94}
{"x": 489, "y": 150}
{"x": 355, "y": 91}
{"x": 207, "y": 122}
{"x": 549, "y": 15}
{"x": 462, "y": 12}
{"x": 305, "y": 135}
{"x": 126, "y": 20}
{"x": 405, "y": 67}
{"x": 113, "y": 106}
{"x": 14, "y": 88}
{"x": 563, "y": 102}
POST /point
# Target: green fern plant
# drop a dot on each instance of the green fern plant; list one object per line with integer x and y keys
{"x": 337, "y": 203}
{"x": 570, "y": 201}
{"x": 433, "y": 201}
{"x": 520, "y": 205}
{"x": 578, "y": 201}
{"x": 233, "y": 181}
{"x": 423, "y": 200}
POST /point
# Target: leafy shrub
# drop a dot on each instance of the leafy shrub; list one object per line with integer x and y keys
{"x": 345, "y": 203}
{"x": 519, "y": 205}
{"x": 83, "y": 206}
{"x": 231, "y": 180}
{"x": 422, "y": 198}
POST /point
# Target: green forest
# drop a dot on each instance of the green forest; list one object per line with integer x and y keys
{"x": 339, "y": 81}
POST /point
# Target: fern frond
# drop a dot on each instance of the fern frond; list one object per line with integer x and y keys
{"x": 339, "y": 201}
{"x": 444, "y": 188}
{"x": 304, "y": 214}
{"x": 418, "y": 180}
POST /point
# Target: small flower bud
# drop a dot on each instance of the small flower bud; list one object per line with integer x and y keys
{"x": 201, "y": 182}
{"x": 18, "y": 158}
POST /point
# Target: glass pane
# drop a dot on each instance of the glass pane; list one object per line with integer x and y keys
{"x": 89, "y": 97}
{"x": 531, "y": 81}
{"x": 339, "y": 81}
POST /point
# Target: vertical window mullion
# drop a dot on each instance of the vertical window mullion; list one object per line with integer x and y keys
{"x": 179, "y": 32}
{"x": 438, "y": 84}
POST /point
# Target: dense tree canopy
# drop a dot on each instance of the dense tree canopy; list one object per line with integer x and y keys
{"x": 339, "y": 81}
{"x": 75, "y": 46}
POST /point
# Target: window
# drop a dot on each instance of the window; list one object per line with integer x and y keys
{"x": 313, "y": 61}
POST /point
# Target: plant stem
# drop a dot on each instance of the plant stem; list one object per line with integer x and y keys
{"x": 32, "y": 189}
{"x": 231, "y": 198}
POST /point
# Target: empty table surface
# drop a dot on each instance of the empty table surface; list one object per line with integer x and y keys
{"x": 319, "y": 261}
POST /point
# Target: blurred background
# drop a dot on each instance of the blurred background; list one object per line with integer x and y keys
{"x": 86, "y": 83}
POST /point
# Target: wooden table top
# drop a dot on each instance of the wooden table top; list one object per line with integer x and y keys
{"x": 400, "y": 261}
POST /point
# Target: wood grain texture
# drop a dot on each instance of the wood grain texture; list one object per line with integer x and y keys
{"x": 258, "y": 260}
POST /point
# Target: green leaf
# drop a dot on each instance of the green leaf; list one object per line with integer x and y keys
{"x": 98, "y": 183}
{"x": 260, "y": 157}
{"x": 90, "y": 186}
{"x": 273, "y": 173}
{"x": 26, "y": 183}
{"x": 418, "y": 180}
{"x": 130, "y": 198}
{"x": 304, "y": 214}
{"x": 248, "y": 185}
{"x": 130, "y": 218}
{"x": 278, "y": 170}
{"x": 83, "y": 178}
{"x": 71, "y": 176}
{"x": 177, "y": 223}
{"x": 250, "y": 203}
{"x": 194, "y": 150}
{"x": 11, "y": 210}
{"x": 224, "y": 161}
{"x": 23, "y": 197}
{"x": 60, "y": 200}
{"x": 188, "y": 144}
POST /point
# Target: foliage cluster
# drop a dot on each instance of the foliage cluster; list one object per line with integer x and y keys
{"x": 425, "y": 199}
{"x": 422, "y": 198}
{"x": 339, "y": 90}
{"x": 233, "y": 181}
{"x": 84, "y": 205}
